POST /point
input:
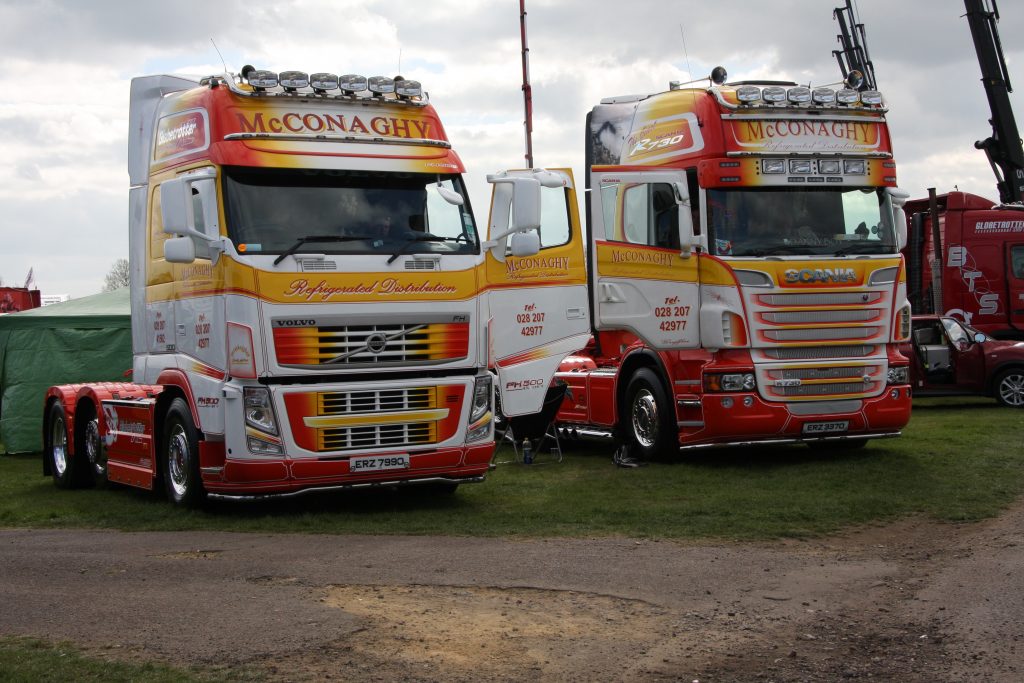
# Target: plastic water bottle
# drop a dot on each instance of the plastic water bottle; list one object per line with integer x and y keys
{"x": 527, "y": 452}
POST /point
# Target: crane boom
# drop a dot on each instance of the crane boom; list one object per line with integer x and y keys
{"x": 1003, "y": 147}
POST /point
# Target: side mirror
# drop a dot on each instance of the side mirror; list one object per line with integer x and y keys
{"x": 188, "y": 207}
{"x": 180, "y": 250}
{"x": 687, "y": 239}
{"x": 525, "y": 204}
{"x": 980, "y": 338}
{"x": 899, "y": 216}
{"x": 525, "y": 243}
{"x": 450, "y": 196}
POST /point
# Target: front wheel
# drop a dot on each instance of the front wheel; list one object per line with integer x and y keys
{"x": 180, "y": 457}
{"x": 649, "y": 420}
{"x": 1010, "y": 387}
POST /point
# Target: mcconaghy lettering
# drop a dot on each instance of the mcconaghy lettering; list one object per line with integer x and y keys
{"x": 842, "y": 130}
{"x": 659, "y": 258}
{"x": 297, "y": 122}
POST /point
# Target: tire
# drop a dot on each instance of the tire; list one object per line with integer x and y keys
{"x": 90, "y": 445}
{"x": 1009, "y": 387}
{"x": 179, "y": 457}
{"x": 62, "y": 465}
{"x": 648, "y": 421}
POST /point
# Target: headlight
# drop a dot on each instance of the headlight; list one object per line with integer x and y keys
{"x": 855, "y": 166}
{"x": 480, "y": 415}
{"x": 898, "y": 375}
{"x": 830, "y": 166}
{"x": 259, "y": 411}
{"x": 733, "y": 381}
{"x": 481, "y": 397}
{"x": 799, "y": 165}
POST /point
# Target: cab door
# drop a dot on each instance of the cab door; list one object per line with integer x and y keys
{"x": 1015, "y": 284}
{"x": 645, "y": 270}
{"x": 537, "y": 302}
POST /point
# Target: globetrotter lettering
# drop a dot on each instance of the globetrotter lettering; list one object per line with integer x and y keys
{"x": 310, "y": 122}
{"x": 389, "y": 286}
{"x": 658, "y": 258}
{"x": 812, "y": 275}
{"x": 999, "y": 226}
{"x": 185, "y": 130}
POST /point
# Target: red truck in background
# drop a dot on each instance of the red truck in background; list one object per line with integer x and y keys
{"x": 950, "y": 358}
{"x": 981, "y": 251}
{"x": 965, "y": 254}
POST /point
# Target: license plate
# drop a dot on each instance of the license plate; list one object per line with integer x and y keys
{"x": 826, "y": 427}
{"x": 377, "y": 463}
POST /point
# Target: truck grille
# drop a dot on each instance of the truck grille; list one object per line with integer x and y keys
{"x": 365, "y": 419}
{"x": 823, "y": 381}
{"x": 386, "y": 344}
{"x": 858, "y": 315}
{"x": 820, "y": 299}
{"x": 821, "y": 334}
{"x": 819, "y": 352}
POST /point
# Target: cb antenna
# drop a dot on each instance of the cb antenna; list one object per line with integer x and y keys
{"x": 223, "y": 63}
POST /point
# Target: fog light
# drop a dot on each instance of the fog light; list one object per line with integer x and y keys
{"x": 748, "y": 401}
{"x": 894, "y": 394}
{"x": 261, "y": 447}
{"x": 727, "y": 402}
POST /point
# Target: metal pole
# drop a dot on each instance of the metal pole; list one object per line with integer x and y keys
{"x": 527, "y": 92}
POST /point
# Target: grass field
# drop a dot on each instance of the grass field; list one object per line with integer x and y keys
{"x": 957, "y": 461}
{"x": 24, "y": 660}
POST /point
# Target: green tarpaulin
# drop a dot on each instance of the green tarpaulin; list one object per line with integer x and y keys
{"x": 82, "y": 340}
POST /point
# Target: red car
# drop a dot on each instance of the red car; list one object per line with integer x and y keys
{"x": 950, "y": 358}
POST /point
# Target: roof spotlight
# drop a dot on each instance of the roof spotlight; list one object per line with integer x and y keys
{"x": 293, "y": 80}
{"x": 261, "y": 80}
{"x": 352, "y": 83}
{"x": 322, "y": 82}
{"x": 407, "y": 89}
{"x": 380, "y": 85}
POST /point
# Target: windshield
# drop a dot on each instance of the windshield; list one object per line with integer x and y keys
{"x": 785, "y": 221}
{"x": 344, "y": 212}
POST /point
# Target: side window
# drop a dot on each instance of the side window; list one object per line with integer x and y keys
{"x": 1017, "y": 261}
{"x": 957, "y": 334}
{"x": 554, "y": 217}
{"x": 634, "y": 214}
{"x": 693, "y": 187}
{"x": 648, "y": 215}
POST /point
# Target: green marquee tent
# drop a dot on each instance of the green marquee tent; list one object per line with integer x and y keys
{"x": 82, "y": 340}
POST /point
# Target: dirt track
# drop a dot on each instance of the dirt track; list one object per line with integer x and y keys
{"x": 915, "y": 601}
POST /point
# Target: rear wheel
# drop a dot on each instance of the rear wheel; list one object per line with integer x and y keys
{"x": 1010, "y": 388}
{"x": 90, "y": 444}
{"x": 57, "y": 447}
{"x": 180, "y": 457}
{"x": 648, "y": 421}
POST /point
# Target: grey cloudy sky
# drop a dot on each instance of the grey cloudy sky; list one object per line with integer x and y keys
{"x": 65, "y": 67}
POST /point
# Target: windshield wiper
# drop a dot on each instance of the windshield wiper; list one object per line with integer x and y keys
{"x": 859, "y": 248}
{"x": 318, "y": 238}
{"x": 421, "y": 237}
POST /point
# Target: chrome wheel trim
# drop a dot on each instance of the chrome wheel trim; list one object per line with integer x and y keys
{"x": 178, "y": 457}
{"x": 644, "y": 416}
{"x": 93, "y": 447}
{"x": 1011, "y": 390}
{"x": 59, "y": 446}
